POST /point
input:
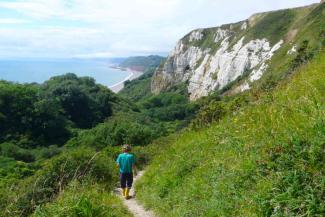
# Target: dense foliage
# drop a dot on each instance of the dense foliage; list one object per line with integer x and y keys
{"x": 43, "y": 113}
{"x": 133, "y": 128}
{"x": 27, "y": 116}
{"x": 45, "y": 184}
{"x": 83, "y": 101}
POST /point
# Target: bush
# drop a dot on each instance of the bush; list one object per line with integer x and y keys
{"x": 14, "y": 151}
{"x": 47, "y": 152}
{"x": 214, "y": 108}
{"x": 208, "y": 114}
{"x": 84, "y": 200}
{"x": 303, "y": 55}
{"x": 116, "y": 132}
{"x": 57, "y": 173}
{"x": 169, "y": 106}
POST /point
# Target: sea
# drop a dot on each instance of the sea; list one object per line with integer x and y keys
{"x": 29, "y": 71}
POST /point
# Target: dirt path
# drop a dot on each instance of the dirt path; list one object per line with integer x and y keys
{"x": 133, "y": 206}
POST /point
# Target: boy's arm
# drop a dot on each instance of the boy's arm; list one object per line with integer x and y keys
{"x": 135, "y": 169}
{"x": 118, "y": 162}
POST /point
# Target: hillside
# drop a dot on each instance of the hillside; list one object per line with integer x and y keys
{"x": 141, "y": 63}
{"x": 264, "y": 159}
{"x": 234, "y": 57}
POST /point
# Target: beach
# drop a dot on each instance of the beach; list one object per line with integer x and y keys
{"x": 119, "y": 86}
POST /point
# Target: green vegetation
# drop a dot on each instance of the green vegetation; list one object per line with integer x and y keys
{"x": 265, "y": 158}
{"x": 273, "y": 26}
{"x": 132, "y": 128}
{"x": 55, "y": 175}
{"x": 83, "y": 102}
{"x": 84, "y": 200}
{"x": 37, "y": 120}
{"x": 41, "y": 115}
{"x": 138, "y": 88}
{"x": 28, "y": 117}
{"x": 171, "y": 110}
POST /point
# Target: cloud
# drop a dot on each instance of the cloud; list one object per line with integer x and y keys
{"x": 100, "y": 28}
{"x": 95, "y": 55}
{"x": 36, "y": 8}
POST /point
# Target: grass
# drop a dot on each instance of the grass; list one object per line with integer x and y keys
{"x": 265, "y": 160}
{"x": 308, "y": 24}
{"x": 84, "y": 200}
{"x": 277, "y": 23}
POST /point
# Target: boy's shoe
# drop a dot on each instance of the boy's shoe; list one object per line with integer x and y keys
{"x": 127, "y": 196}
{"x": 123, "y": 192}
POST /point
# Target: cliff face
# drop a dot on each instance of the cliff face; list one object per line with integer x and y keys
{"x": 210, "y": 59}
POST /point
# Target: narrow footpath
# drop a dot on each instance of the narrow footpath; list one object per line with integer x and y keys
{"x": 133, "y": 206}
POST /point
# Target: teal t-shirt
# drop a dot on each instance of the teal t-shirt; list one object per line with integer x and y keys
{"x": 125, "y": 161}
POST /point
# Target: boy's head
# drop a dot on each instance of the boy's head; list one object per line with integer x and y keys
{"x": 126, "y": 148}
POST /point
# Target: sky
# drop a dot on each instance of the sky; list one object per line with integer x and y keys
{"x": 114, "y": 28}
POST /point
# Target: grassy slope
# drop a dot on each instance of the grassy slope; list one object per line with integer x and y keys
{"x": 267, "y": 159}
{"x": 309, "y": 25}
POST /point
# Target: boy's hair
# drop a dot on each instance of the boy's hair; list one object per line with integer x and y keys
{"x": 126, "y": 147}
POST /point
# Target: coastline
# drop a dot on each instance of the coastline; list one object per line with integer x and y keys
{"x": 133, "y": 75}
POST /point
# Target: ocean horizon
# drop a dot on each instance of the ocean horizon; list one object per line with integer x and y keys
{"x": 40, "y": 70}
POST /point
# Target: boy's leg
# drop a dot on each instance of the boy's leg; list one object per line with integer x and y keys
{"x": 129, "y": 182}
{"x": 123, "y": 183}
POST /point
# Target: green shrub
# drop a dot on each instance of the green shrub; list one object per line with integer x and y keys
{"x": 46, "y": 184}
{"x": 13, "y": 151}
{"x": 168, "y": 106}
{"x": 209, "y": 114}
{"x": 117, "y": 131}
{"x": 84, "y": 200}
{"x": 213, "y": 108}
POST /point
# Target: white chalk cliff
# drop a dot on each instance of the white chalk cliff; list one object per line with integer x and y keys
{"x": 210, "y": 59}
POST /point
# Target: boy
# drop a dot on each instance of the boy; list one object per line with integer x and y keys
{"x": 126, "y": 162}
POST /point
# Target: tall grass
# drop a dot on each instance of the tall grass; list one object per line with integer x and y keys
{"x": 80, "y": 165}
{"x": 267, "y": 159}
{"x": 84, "y": 200}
